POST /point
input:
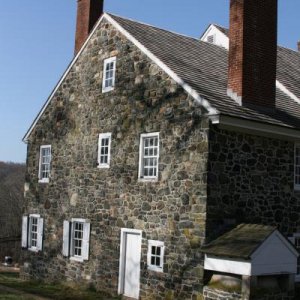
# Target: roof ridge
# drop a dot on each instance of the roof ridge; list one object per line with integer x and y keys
{"x": 223, "y": 27}
{"x": 153, "y": 26}
{"x": 287, "y": 48}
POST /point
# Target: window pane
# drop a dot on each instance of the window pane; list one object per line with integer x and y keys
{"x": 158, "y": 250}
{"x": 104, "y": 150}
{"x": 153, "y": 260}
{"x": 150, "y": 153}
{"x": 158, "y": 261}
{"x": 45, "y": 160}
{"x": 77, "y": 240}
{"x": 153, "y": 250}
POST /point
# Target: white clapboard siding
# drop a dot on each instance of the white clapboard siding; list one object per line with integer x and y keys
{"x": 40, "y": 231}
{"x": 86, "y": 241}
{"x": 24, "y": 231}
{"x": 66, "y": 239}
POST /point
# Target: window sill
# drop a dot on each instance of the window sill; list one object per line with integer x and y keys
{"x": 152, "y": 179}
{"x": 33, "y": 250}
{"x": 44, "y": 180}
{"x": 109, "y": 89}
{"x": 103, "y": 166}
{"x": 155, "y": 269}
{"x": 79, "y": 259}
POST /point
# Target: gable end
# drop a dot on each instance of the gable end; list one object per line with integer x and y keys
{"x": 211, "y": 111}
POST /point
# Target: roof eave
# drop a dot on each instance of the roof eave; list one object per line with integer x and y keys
{"x": 256, "y": 127}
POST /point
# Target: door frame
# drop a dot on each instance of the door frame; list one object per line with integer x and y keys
{"x": 122, "y": 259}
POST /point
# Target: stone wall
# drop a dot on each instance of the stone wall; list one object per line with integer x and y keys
{"x": 172, "y": 210}
{"x": 214, "y": 294}
{"x": 250, "y": 179}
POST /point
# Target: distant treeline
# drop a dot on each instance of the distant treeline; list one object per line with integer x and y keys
{"x": 12, "y": 177}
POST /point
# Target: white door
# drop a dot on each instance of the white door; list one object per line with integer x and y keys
{"x": 129, "y": 281}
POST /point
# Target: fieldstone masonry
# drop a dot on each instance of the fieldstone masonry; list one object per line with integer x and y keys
{"x": 209, "y": 179}
{"x": 250, "y": 180}
{"x": 215, "y": 294}
{"x": 172, "y": 209}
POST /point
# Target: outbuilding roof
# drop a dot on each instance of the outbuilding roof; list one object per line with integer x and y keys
{"x": 241, "y": 242}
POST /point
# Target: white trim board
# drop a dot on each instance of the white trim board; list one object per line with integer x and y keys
{"x": 199, "y": 100}
{"x": 281, "y": 87}
{"x": 255, "y": 127}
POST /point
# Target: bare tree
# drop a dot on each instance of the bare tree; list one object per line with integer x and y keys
{"x": 11, "y": 201}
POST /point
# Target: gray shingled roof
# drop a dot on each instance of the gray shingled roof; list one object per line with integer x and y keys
{"x": 241, "y": 242}
{"x": 203, "y": 66}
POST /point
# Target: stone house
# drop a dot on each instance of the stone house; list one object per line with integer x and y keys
{"x": 154, "y": 144}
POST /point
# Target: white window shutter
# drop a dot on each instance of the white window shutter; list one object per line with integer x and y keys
{"x": 66, "y": 239}
{"x": 40, "y": 231}
{"x": 86, "y": 241}
{"x": 24, "y": 231}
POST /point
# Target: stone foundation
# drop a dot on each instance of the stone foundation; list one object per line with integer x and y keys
{"x": 214, "y": 294}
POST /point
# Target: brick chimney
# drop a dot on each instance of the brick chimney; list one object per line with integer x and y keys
{"x": 88, "y": 12}
{"x": 253, "y": 52}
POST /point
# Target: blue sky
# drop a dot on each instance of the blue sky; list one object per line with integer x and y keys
{"x": 37, "y": 44}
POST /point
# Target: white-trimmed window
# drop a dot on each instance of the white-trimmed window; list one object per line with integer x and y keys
{"x": 297, "y": 167}
{"x": 109, "y": 74}
{"x": 32, "y": 232}
{"x": 76, "y": 239}
{"x": 104, "y": 150}
{"x": 295, "y": 239}
{"x": 155, "y": 255}
{"x": 45, "y": 163}
{"x": 149, "y": 155}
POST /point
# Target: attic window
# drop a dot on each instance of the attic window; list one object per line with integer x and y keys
{"x": 45, "y": 163}
{"x": 109, "y": 71}
{"x": 211, "y": 39}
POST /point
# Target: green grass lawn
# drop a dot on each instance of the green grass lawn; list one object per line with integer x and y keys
{"x": 53, "y": 291}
